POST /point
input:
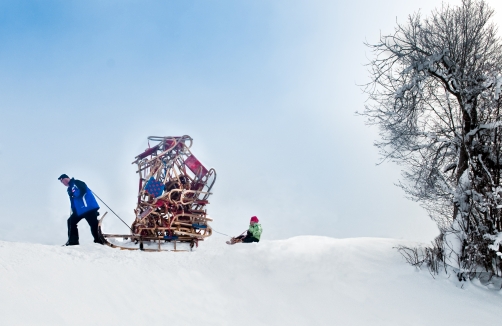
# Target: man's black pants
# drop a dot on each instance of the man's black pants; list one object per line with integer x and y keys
{"x": 91, "y": 218}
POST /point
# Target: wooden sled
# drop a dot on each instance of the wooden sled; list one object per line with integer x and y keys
{"x": 233, "y": 241}
{"x": 137, "y": 242}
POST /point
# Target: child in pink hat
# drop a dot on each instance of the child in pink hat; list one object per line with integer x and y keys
{"x": 253, "y": 233}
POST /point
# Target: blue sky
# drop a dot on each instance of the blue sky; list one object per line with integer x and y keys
{"x": 267, "y": 89}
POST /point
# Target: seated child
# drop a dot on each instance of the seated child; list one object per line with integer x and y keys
{"x": 253, "y": 233}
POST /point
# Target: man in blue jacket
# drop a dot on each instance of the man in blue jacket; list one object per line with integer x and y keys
{"x": 83, "y": 205}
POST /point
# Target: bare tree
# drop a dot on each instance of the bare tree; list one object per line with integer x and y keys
{"x": 435, "y": 94}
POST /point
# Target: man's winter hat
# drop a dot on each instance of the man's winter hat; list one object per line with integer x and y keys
{"x": 63, "y": 176}
{"x": 254, "y": 219}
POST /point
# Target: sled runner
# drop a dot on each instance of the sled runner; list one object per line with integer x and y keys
{"x": 173, "y": 193}
{"x": 233, "y": 241}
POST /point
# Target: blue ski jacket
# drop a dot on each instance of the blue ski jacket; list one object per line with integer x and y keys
{"x": 81, "y": 198}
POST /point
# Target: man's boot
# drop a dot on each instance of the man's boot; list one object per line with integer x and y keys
{"x": 72, "y": 240}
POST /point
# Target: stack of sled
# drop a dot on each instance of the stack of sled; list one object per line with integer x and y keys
{"x": 174, "y": 188}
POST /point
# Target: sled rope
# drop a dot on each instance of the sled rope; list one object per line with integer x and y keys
{"x": 112, "y": 211}
{"x": 219, "y": 232}
{"x": 227, "y": 234}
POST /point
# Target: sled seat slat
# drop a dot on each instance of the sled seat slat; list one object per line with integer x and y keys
{"x": 195, "y": 166}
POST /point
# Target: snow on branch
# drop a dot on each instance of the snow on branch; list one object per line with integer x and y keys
{"x": 435, "y": 95}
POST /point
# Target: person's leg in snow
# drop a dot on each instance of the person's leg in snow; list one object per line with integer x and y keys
{"x": 243, "y": 239}
{"x": 73, "y": 230}
{"x": 92, "y": 219}
{"x": 249, "y": 239}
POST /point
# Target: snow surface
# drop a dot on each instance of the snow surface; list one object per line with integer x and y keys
{"x": 307, "y": 280}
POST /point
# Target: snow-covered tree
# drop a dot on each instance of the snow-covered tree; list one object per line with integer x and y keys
{"x": 435, "y": 93}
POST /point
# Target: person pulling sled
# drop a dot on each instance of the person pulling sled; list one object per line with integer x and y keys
{"x": 253, "y": 233}
{"x": 83, "y": 206}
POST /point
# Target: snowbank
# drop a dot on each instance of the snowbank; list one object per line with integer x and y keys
{"x": 300, "y": 281}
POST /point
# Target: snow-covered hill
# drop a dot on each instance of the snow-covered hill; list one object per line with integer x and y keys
{"x": 300, "y": 281}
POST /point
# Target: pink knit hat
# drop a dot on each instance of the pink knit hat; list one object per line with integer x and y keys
{"x": 254, "y": 219}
